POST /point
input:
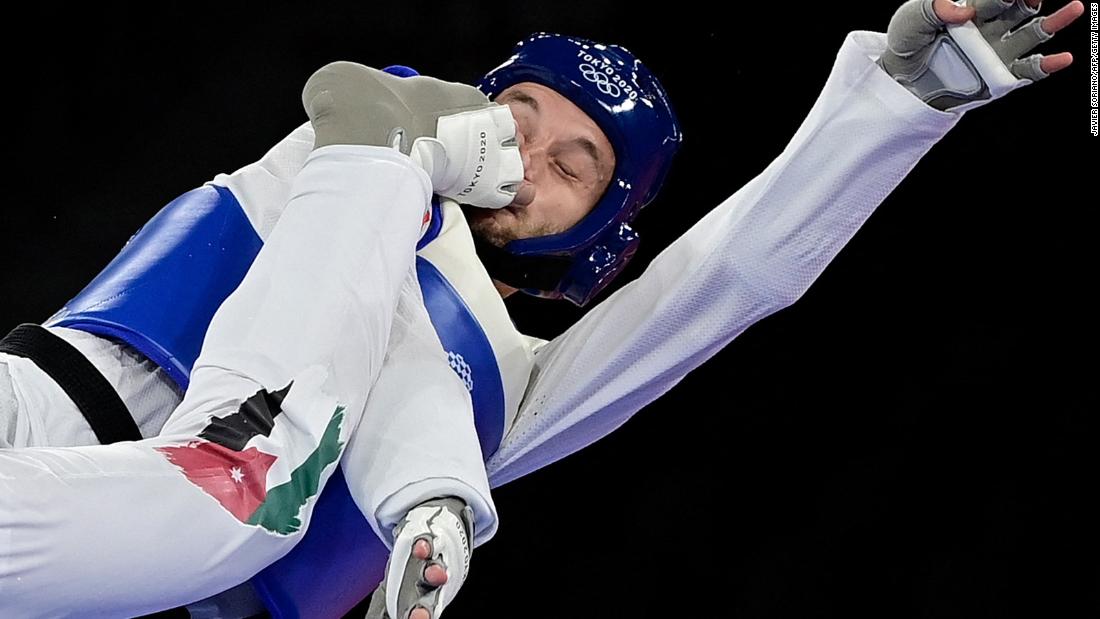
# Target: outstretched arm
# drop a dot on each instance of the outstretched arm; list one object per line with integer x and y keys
{"x": 752, "y": 255}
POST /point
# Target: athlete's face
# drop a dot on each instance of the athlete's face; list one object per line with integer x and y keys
{"x": 567, "y": 163}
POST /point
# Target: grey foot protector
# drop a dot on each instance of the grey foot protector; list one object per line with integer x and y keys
{"x": 415, "y": 591}
{"x": 351, "y": 103}
{"x": 466, "y": 143}
{"x": 924, "y": 53}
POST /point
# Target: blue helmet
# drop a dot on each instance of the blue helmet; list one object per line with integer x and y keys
{"x": 626, "y": 101}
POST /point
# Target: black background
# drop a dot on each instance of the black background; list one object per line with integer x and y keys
{"x": 915, "y": 437}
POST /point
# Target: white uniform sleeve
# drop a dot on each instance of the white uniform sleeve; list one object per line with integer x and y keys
{"x": 752, "y": 255}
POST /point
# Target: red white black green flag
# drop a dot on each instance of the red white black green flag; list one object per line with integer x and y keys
{"x": 260, "y": 465}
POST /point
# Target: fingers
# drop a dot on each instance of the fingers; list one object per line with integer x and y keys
{"x": 1056, "y": 62}
{"x": 434, "y": 573}
{"x": 951, "y": 13}
{"x": 419, "y": 584}
{"x": 1042, "y": 66}
{"x": 913, "y": 27}
{"x": 1039, "y": 29}
{"x": 1036, "y": 31}
{"x": 1004, "y": 16}
{"x": 431, "y": 558}
{"x": 422, "y": 549}
{"x": 995, "y": 17}
{"x": 1037, "y": 67}
{"x": 1023, "y": 39}
{"x": 1063, "y": 17}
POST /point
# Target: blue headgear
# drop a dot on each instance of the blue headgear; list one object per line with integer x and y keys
{"x": 626, "y": 101}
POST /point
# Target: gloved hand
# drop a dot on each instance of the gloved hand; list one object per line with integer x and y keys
{"x": 465, "y": 143}
{"x": 429, "y": 561}
{"x": 957, "y": 56}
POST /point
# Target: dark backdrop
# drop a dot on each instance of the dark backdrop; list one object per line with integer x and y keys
{"x": 912, "y": 438}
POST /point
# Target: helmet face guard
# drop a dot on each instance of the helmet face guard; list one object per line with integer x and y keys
{"x": 626, "y": 101}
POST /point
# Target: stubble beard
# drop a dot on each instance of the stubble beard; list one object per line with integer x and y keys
{"x": 500, "y": 229}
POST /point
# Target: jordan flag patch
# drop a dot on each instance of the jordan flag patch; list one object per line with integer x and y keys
{"x": 259, "y": 465}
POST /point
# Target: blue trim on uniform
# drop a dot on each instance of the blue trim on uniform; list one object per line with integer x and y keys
{"x": 345, "y": 555}
{"x": 169, "y": 279}
{"x": 469, "y": 350}
{"x": 159, "y": 295}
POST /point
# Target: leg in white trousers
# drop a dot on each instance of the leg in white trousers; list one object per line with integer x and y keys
{"x": 118, "y": 530}
{"x": 417, "y": 439}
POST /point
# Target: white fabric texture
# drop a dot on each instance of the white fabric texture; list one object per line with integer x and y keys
{"x": 453, "y": 253}
{"x": 9, "y": 405}
{"x": 43, "y": 415}
{"x": 37, "y": 412}
{"x": 417, "y": 440}
{"x": 352, "y": 217}
{"x": 145, "y": 398}
{"x": 262, "y": 188}
{"x": 752, "y": 255}
{"x": 148, "y": 392}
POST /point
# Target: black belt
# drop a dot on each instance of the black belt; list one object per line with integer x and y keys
{"x": 89, "y": 390}
{"x": 78, "y": 378}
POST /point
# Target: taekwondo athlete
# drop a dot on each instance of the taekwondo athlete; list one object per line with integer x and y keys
{"x": 287, "y": 361}
{"x": 771, "y": 239}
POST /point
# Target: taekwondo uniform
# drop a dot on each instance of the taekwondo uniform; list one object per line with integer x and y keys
{"x": 753, "y": 254}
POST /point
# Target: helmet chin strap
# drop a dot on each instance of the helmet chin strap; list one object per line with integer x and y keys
{"x": 537, "y": 272}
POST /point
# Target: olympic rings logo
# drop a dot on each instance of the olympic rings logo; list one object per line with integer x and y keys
{"x": 600, "y": 79}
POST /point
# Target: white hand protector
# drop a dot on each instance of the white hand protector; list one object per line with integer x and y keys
{"x": 464, "y": 142}
{"x": 957, "y": 67}
{"x": 475, "y": 157}
{"x": 447, "y": 525}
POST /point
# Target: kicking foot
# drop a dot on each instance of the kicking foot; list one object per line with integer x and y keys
{"x": 464, "y": 142}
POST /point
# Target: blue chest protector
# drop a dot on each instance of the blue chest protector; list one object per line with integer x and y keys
{"x": 159, "y": 294}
